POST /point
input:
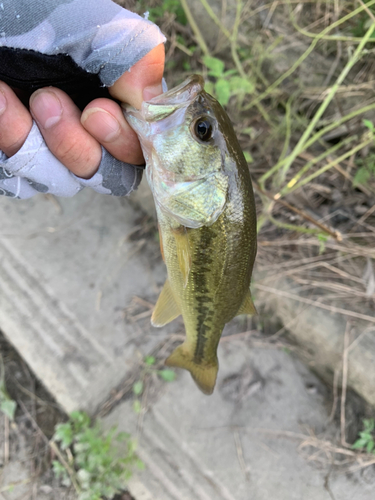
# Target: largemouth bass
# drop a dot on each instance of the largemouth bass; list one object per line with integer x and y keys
{"x": 207, "y": 221}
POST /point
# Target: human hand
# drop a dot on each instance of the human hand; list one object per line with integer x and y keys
{"x": 59, "y": 49}
{"x": 76, "y": 138}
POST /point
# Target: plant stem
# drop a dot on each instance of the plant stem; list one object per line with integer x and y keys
{"x": 332, "y": 164}
{"x": 232, "y": 37}
{"x": 337, "y": 38}
{"x": 215, "y": 19}
{"x": 194, "y": 27}
{"x": 316, "y": 137}
{"x": 317, "y": 38}
{"x": 68, "y": 469}
{"x": 301, "y": 145}
{"x": 286, "y": 189}
{"x": 335, "y": 234}
{"x": 291, "y": 227}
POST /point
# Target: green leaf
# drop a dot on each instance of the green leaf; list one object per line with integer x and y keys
{"x": 251, "y": 131}
{"x": 222, "y": 90}
{"x": 101, "y": 471}
{"x": 370, "y": 446}
{"x": 80, "y": 420}
{"x": 167, "y": 375}
{"x": 64, "y": 434}
{"x": 58, "y": 469}
{"x": 137, "y": 407}
{"x": 84, "y": 478}
{"x": 368, "y": 124}
{"x": 248, "y": 157}
{"x": 8, "y": 407}
{"x": 61, "y": 473}
{"x": 209, "y": 87}
{"x": 369, "y": 424}
{"x": 362, "y": 176}
{"x": 150, "y": 360}
{"x": 239, "y": 85}
{"x": 123, "y": 436}
{"x": 322, "y": 238}
{"x": 360, "y": 443}
{"x": 138, "y": 387}
{"x": 230, "y": 72}
{"x": 216, "y": 66}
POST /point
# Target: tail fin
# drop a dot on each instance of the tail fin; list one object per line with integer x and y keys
{"x": 204, "y": 375}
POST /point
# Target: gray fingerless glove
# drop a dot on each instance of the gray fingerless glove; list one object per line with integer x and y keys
{"x": 79, "y": 46}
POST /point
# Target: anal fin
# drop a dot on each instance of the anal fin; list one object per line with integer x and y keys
{"x": 247, "y": 306}
{"x": 166, "y": 308}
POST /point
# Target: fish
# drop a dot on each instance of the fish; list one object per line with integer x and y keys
{"x": 206, "y": 215}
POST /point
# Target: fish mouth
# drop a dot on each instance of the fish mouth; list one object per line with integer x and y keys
{"x": 183, "y": 93}
{"x": 178, "y": 97}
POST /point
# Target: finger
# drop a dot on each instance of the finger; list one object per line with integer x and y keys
{"x": 15, "y": 121}
{"x": 143, "y": 81}
{"x": 105, "y": 121}
{"x": 58, "y": 119}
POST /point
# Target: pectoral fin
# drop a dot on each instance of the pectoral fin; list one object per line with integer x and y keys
{"x": 166, "y": 308}
{"x": 183, "y": 252}
{"x": 204, "y": 375}
{"x": 161, "y": 244}
{"x": 247, "y": 306}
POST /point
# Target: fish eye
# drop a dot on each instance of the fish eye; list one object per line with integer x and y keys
{"x": 203, "y": 129}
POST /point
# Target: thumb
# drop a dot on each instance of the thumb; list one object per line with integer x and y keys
{"x": 143, "y": 81}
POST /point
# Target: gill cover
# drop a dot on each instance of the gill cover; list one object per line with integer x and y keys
{"x": 192, "y": 199}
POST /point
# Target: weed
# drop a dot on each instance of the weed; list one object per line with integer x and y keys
{"x": 170, "y": 6}
{"x": 7, "y": 405}
{"x": 150, "y": 368}
{"x": 366, "y": 170}
{"x": 227, "y": 83}
{"x": 363, "y": 23}
{"x": 90, "y": 459}
{"x": 322, "y": 238}
{"x": 366, "y": 440}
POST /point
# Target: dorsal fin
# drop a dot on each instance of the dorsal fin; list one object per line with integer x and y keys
{"x": 247, "y": 306}
{"x": 166, "y": 308}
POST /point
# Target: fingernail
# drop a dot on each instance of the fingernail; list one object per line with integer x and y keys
{"x": 102, "y": 125}
{"x": 3, "y": 102}
{"x": 152, "y": 91}
{"x": 46, "y": 108}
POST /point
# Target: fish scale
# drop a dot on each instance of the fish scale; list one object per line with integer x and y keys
{"x": 207, "y": 221}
